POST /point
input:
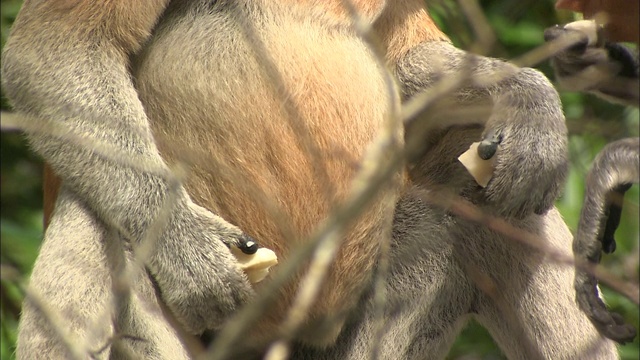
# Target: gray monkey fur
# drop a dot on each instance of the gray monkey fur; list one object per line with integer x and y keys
{"x": 608, "y": 70}
{"x": 615, "y": 168}
{"x": 431, "y": 294}
{"x": 198, "y": 291}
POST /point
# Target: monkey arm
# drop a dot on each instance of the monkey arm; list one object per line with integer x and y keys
{"x": 524, "y": 126}
{"x": 613, "y": 171}
{"x": 67, "y": 67}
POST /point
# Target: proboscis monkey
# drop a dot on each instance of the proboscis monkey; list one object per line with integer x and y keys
{"x": 273, "y": 103}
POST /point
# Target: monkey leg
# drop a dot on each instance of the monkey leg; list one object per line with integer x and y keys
{"x": 427, "y": 297}
{"x": 529, "y": 309}
{"x": 72, "y": 305}
{"x": 143, "y": 330}
{"x": 421, "y": 323}
{"x": 71, "y": 278}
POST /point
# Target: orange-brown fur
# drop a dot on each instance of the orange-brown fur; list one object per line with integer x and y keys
{"x": 125, "y": 23}
{"x": 273, "y": 104}
{"x": 283, "y": 170}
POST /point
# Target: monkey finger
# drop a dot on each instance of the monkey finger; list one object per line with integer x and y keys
{"x": 613, "y": 217}
{"x": 247, "y": 245}
{"x": 613, "y": 220}
{"x": 489, "y": 145}
{"x": 555, "y": 32}
{"x": 626, "y": 59}
{"x": 608, "y": 323}
{"x": 243, "y": 242}
{"x": 256, "y": 265}
{"x": 623, "y": 332}
{"x": 619, "y": 332}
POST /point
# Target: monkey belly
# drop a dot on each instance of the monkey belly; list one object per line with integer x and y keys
{"x": 273, "y": 120}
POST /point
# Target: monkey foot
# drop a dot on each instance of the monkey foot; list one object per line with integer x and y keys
{"x": 610, "y": 324}
{"x": 615, "y": 328}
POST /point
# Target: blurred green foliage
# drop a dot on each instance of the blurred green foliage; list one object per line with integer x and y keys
{"x": 518, "y": 26}
{"x": 20, "y": 211}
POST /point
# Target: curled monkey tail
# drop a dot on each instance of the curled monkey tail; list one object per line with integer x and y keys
{"x": 614, "y": 170}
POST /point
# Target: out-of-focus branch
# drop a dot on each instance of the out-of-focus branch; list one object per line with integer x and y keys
{"x": 465, "y": 210}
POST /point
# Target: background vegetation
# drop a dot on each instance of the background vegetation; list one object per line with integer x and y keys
{"x": 518, "y": 25}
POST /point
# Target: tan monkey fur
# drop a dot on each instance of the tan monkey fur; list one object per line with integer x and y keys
{"x": 292, "y": 175}
{"x": 185, "y": 79}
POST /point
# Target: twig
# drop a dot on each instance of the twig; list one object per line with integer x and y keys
{"x": 55, "y": 320}
{"x": 465, "y": 210}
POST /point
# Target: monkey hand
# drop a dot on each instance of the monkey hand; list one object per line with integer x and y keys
{"x": 525, "y": 130}
{"x": 526, "y": 136}
{"x": 199, "y": 279}
{"x": 607, "y": 69}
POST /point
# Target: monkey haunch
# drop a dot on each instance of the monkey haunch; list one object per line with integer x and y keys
{"x": 274, "y": 103}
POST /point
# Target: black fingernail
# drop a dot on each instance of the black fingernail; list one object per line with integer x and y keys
{"x": 248, "y": 246}
{"x": 489, "y": 145}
